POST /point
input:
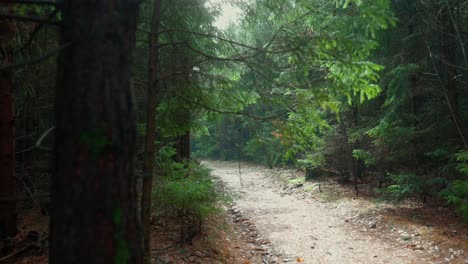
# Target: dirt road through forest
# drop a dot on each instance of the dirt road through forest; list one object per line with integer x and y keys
{"x": 313, "y": 230}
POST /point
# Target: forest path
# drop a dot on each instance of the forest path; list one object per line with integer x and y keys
{"x": 312, "y": 230}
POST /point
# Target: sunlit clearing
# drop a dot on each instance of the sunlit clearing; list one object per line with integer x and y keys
{"x": 228, "y": 13}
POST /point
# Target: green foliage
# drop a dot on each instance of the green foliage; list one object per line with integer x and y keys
{"x": 397, "y": 83}
{"x": 256, "y": 149}
{"x": 462, "y": 159}
{"x": 365, "y": 156}
{"x": 404, "y": 185}
{"x": 297, "y": 181}
{"x": 313, "y": 160}
{"x": 396, "y": 126}
{"x": 266, "y": 150}
{"x": 361, "y": 85}
{"x": 122, "y": 251}
{"x": 185, "y": 188}
{"x": 457, "y": 194}
{"x": 95, "y": 139}
{"x": 330, "y": 69}
{"x": 408, "y": 184}
{"x": 220, "y": 140}
{"x": 25, "y": 10}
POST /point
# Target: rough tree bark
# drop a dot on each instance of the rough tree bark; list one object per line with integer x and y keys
{"x": 150, "y": 148}
{"x": 7, "y": 135}
{"x": 95, "y": 217}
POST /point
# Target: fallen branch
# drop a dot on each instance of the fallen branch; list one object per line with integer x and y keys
{"x": 15, "y": 254}
{"x": 19, "y": 252}
{"x": 35, "y": 60}
{"x": 38, "y": 144}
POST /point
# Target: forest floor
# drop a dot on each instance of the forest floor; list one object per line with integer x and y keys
{"x": 277, "y": 217}
{"x": 321, "y": 221}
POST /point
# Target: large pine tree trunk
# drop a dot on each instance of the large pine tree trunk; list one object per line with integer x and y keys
{"x": 150, "y": 147}
{"x": 7, "y": 136}
{"x": 95, "y": 216}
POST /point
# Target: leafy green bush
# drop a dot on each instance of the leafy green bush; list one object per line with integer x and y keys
{"x": 185, "y": 188}
{"x": 267, "y": 150}
{"x": 404, "y": 185}
{"x": 314, "y": 160}
{"x": 457, "y": 194}
{"x": 462, "y": 159}
{"x": 255, "y": 149}
{"x": 365, "y": 156}
{"x": 409, "y": 184}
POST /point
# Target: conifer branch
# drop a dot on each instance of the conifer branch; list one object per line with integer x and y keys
{"x": 30, "y": 2}
{"x": 30, "y": 19}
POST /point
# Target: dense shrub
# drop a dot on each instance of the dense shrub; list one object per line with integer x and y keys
{"x": 185, "y": 188}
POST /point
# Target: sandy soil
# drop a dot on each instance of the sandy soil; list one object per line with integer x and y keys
{"x": 312, "y": 230}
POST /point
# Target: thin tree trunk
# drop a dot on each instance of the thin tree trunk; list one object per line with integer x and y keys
{"x": 95, "y": 217}
{"x": 7, "y": 136}
{"x": 452, "y": 90}
{"x": 26, "y": 158}
{"x": 352, "y": 160}
{"x": 449, "y": 53}
{"x": 150, "y": 148}
{"x": 185, "y": 149}
{"x": 184, "y": 146}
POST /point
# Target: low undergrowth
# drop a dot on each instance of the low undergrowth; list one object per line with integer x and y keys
{"x": 185, "y": 190}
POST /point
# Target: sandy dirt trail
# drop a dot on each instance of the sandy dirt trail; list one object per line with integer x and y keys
{"x": 307, "y": 229}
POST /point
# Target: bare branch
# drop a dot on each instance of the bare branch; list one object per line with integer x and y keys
{"x": 30, "y": 19}
{"x": 207, "y": 35}
{"x": 213, "y": 57}
{"x": 30, "y": 2}
{"x": 34, "y": 60}
{"x": 8, "y": 199}
{"x": 37, "y": 29}
{"x": 162, "y": 45}
{"x": 444, "y": 90}
{"x": 237, "y": 113}
{"x": 38, "y": 144}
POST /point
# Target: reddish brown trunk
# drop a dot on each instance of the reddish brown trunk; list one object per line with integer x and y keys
{"x": 7, "y": 156}
{"x": 150, "y": 148}
{"x": 7, "y": 137}
{"x": 95, "y": 217}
